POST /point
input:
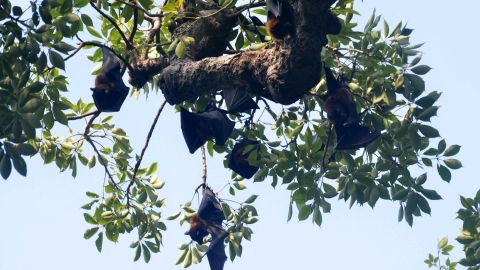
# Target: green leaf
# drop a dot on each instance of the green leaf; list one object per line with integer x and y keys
{"x": 89, "y": 219}
{"x": 441, "y": 146}
{"x": 20, "y": 165}
{"x": 27, "y": 149}
{"x": 428, "y": 113}
{"x": 99, "y": 242}
{"x": 188, "y": 259}
{"x": 429, "y": 131}
{"x": 251, "y": 199}
{"x": 35, "y": 87}
{"x": 431, "y": 194}
{"x": 182, "y": 256}
{"x": 421, "y": 69}
{"x": 90, "y": 232}
{"x": 138, "y": 252}
{"x": 443, "y": 242}
{"x": 453, "y": 164}
{"x": 423, "y": 204}
{"x": 452, "y": 150}
{"x": 146, "y": 254}
{"x": 151, "y": 169}
{"x": 304, "y": 212}
{"x": 444, "y": 173}
{"x": 428, "y": 100}
{"x": 56, "y": 59}
{"x": 5, "y": 166}
{"x": 86, "y": 20}
{"x": 174, "y": 216}
{"x": 421, "y": 179}
{"x": 181, "y": 50}
{"x": 400, "y": 195}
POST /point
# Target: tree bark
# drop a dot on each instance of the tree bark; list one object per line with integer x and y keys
{"x": 284, "y": 71}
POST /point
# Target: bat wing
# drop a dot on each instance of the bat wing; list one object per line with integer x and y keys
{"x": 220, "y": 126}
{"x": 110, "y": 64}
{"x": 198, "y": 235}
{"x": 354, "y": 136}
{"x": 239, "y": 158}
{"x": 195, "y": 131}
{"x": 210, "y": 209}
{"x": 238, "y": 100}
{"x": 216, "y": 252}
{"x": 274, "y": 8}
{"x": 332, "y": 82}
{"x": 111, "y": 99}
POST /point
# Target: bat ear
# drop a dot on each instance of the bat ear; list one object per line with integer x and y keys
{"x": 332, "y": 81}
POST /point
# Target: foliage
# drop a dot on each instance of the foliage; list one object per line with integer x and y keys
{"x": 469, "y": 237}
{"x": 383, "y": 71}
{"x": 435, "y": 261}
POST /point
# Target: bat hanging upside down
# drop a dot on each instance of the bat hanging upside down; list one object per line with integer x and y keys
{"x": 342, "y": 112}
{"x": 110, "y": 91}
{"x": 279, "y": 19}
{"x": 208, "y": 220}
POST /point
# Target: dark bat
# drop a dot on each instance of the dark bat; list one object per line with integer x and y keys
{"x": 342, "y": 112}
{"x": 354, "y": 136}
{"x": 208, "y": 220}
{"x": 197, "y": 128}
{"x": 238, "y": 100}
{"x": 109, "y": 92}
{"x": 239, "y": 158}
{"x": 279, "y": 19}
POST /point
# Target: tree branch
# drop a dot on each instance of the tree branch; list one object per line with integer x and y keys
{"x": 128, "y": 45}
{"x": 204, "y": 166}
{"x": 139, "y": 161}
{"x": 283, "y": 71}
{"x": 82, "y": 116}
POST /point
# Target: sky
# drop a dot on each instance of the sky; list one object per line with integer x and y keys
{"x": 42, "y": 224}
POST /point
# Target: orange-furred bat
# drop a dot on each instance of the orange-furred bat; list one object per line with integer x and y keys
{"x": 279, "y": 19}
{"x": 342, "y": 112}
{"x": 208, "y": 220}
{"x": 110, "y": 91}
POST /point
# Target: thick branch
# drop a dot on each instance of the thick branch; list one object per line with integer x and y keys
{"x": 283, "y": 72}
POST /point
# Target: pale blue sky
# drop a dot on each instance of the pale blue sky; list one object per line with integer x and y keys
{"x": 42, "y": 224}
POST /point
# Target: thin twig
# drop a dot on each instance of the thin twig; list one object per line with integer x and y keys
{"x": 89, "y": 124}
{"x": 96, "y": 44}
{"x": 240, "y": 9}
{"x": 326, "y": 148}
{"x": 81, "y": 116}
{"x": 125, "y": 39}
{"x": 139, "y": 161}
{"x": 204, "y": 166}
{"x": 86, "y": 135}
{"x": 137, "y": 7}
{"x": 135, "y": 22}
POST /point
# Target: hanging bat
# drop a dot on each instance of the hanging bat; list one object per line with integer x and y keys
{"x": 238, "y": 101}
{"x": 342, "y": 112}
{"x": 279, "y": 19}
{"x": 197, "y": 128}
{"x": 208, "y": 220}
{"x": 109, "y": 92}
{"x": 239, "y": 158}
